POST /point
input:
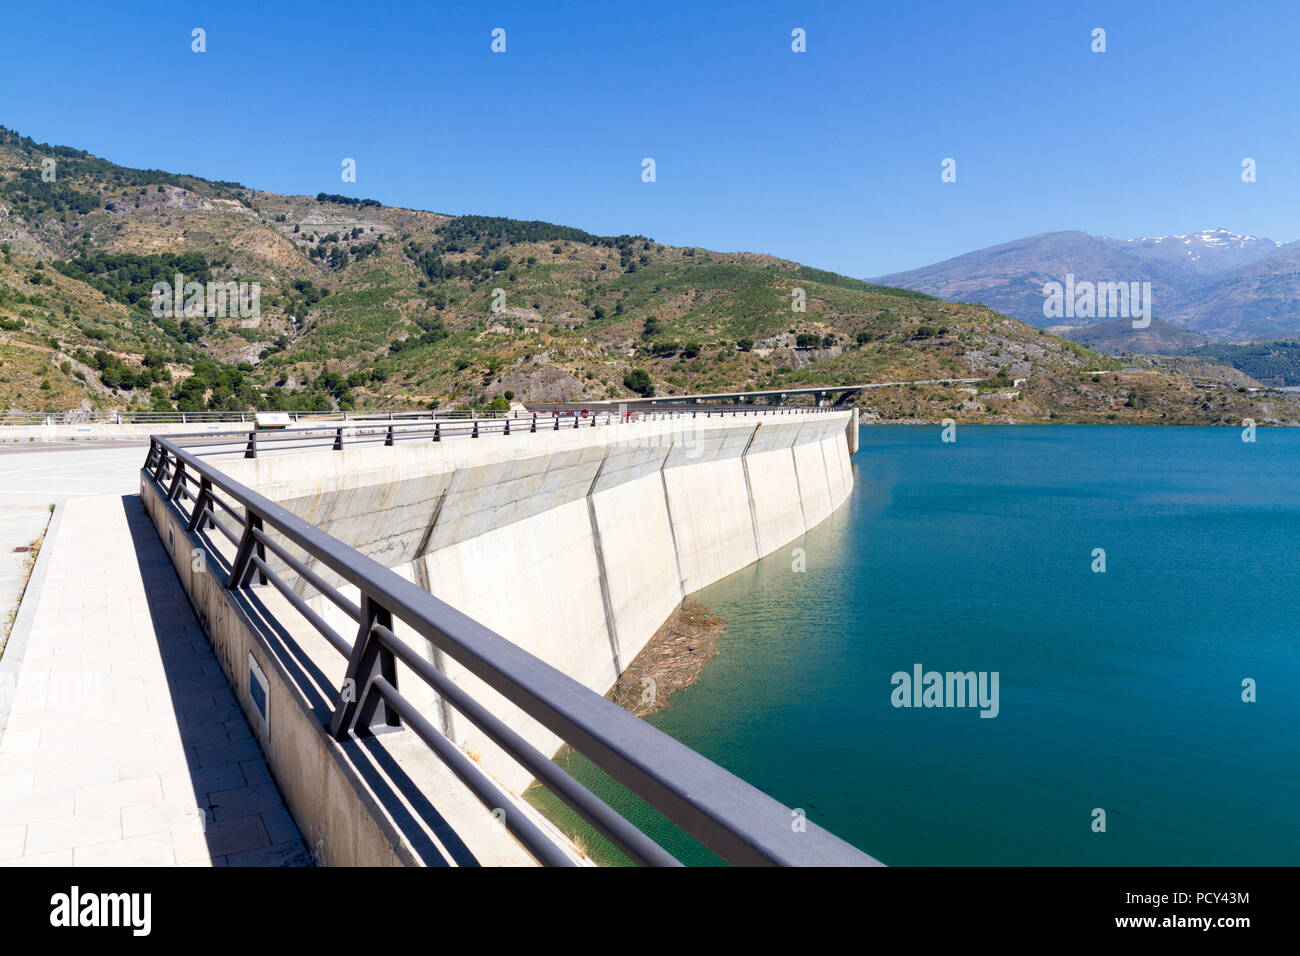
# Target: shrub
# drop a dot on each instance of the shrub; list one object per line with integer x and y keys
{"x": 638, "y": 380}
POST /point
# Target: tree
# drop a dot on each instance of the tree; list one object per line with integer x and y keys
{"x": 745, "y": 345}
{"x": 158, "y": 400}
{"x": 638, "y": 380}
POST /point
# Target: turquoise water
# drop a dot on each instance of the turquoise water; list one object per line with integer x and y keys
{"x": 1118, "y": 690}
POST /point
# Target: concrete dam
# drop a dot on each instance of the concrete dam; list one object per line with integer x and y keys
{"x": 575, "y": 545}
{"x": 554, "y": 554}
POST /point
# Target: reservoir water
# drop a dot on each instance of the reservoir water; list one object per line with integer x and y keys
{"x": 1119, "y": 690}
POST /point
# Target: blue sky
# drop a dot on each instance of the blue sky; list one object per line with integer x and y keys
{"x": 831, "y": 157}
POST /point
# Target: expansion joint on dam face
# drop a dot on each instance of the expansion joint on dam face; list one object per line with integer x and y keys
{"x": 434, "y": 655}
{"x": 672, "y": 532}
{"x": 611, "y": 624}
{"x": 799, "y": 489}
{"x": 749, "y": 489}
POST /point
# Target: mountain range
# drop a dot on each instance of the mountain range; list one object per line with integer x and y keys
{"x": 364, "y": 304}
{"x": 1224, "y": 285}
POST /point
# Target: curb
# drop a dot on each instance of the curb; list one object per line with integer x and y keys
{"x": 18, "y": 634}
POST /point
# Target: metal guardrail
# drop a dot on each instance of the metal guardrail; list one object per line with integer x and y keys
{"x": 733, "y": 819}
{"x": 184, "y": 418}
{"x": 196, "y": 418}
{"x": 257, "y": 442}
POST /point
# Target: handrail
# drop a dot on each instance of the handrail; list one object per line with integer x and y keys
{"x": 733, "y": 819}
{"x": 340, "y": 435}
{"x": 76, "y": 417}
{"x": 149, "y": 417}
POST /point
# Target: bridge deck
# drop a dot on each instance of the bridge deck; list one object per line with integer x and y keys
{"x": 123, "y": 744}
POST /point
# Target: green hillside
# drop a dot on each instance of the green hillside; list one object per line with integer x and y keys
{"x": 365, "y": 305}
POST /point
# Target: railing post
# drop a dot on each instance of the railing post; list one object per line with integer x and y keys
{"x": 389, "y": 440}
{"x": 251, "y": 450}
{"x": 475, "y": 434}
{"x": 437, "y": 431}
{"x": 507, "y": 428}
{"x": 164, "y": 469}
{"x": 178, "y": 482}
{"x": 557, "y": 421}
{"x": 355, "y": 711}
{"x": 198, "y": 519}
{"x": 242, "y": 568}
{"x": 338, "y": 439}
{"x": 534, "y": 428}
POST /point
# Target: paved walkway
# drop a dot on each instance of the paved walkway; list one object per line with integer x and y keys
{"x": 35, "y": 475}
{"x": 123, "y": 744}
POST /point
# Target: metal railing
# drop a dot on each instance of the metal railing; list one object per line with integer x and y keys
{"x": 129, "y": 417}
{"x": 737, "y": 822}
{"x": 545, "y": 409}
{"x": 360, "y": 432}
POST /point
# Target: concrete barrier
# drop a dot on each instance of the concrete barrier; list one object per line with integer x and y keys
{"x": 576, "y": 544}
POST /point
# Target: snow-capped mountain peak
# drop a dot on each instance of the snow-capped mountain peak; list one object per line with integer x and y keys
{"x": 1208, "y": 251}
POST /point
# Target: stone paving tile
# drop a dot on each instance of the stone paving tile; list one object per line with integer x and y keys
{"x": 228, "y": 804}
{"x": 114, "y": 796}
{"x": 18, "y": 784}
{"x": 282, "y": 854}
{"x": 154, "y": 849}
{"x": 20, "y": 742}
{"x": 12, "y": 839}
{"x": 227, "y": 836}
{"x": 82, "y": 829}
{"x": 156, "y": 763}
{"x": 54, "y": 858}
{"x": 226, "y": 753}
{"x": 195, "y": 784}
{"x": 279, "y": 825}
{"x": 255, "y": 771}
{"x": 38, "y": 807}
{"x": 124, "y": 745}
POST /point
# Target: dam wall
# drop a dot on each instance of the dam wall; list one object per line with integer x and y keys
{"x": 574, "y": 544}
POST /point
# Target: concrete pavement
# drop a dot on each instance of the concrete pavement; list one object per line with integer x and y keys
{"x": 122, "y": 744}
{"x": 35, "y": 475}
